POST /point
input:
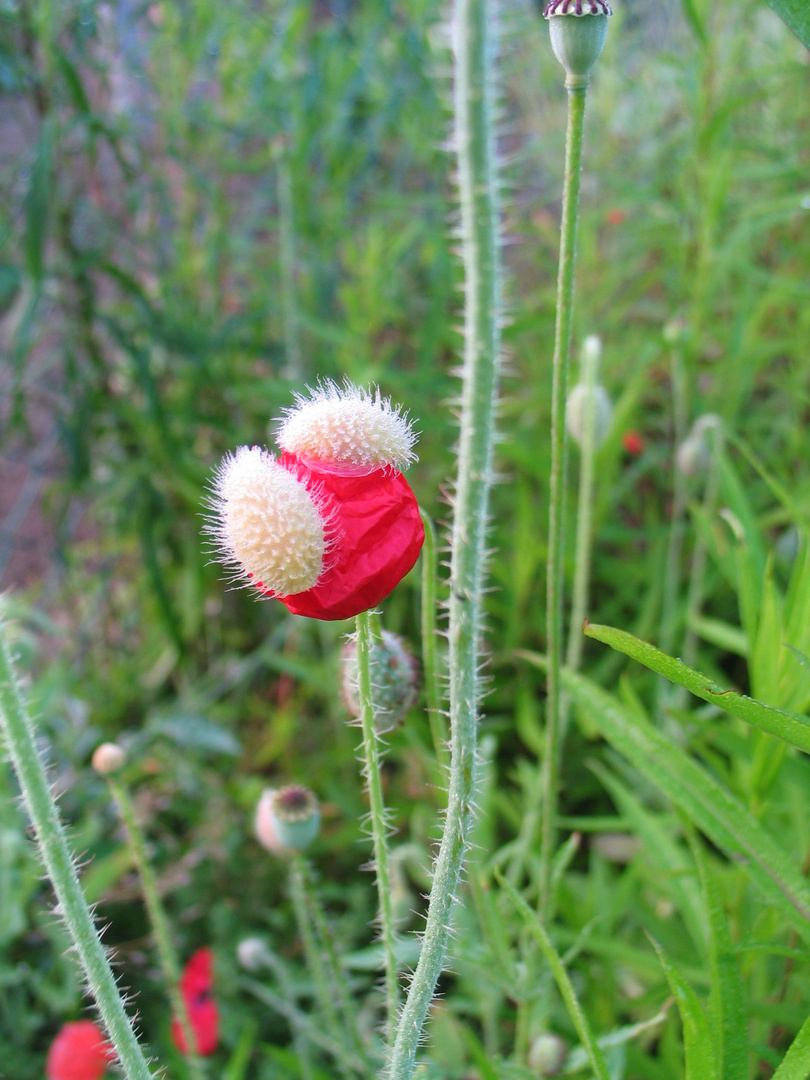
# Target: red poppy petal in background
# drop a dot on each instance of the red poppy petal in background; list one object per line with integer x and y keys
{"x": 633, "y": 443}
{"x": 79, "y": 1052}
{"x": 196, "y": 986}
{"x": 379, "y": 534}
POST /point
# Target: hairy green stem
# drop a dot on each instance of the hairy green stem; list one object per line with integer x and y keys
{"x": 18, "y": 731}
{"x": 379, "y": 828}
{"x": 160, "y": 925}
{"x": 672, "y": 567}
{"x": 317, "y": 964}
{"x": 430, "y": 664}
{"x": 474, "y": 30}
{"x": 555, "y": 575}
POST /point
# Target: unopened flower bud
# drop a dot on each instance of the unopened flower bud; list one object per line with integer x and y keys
{"x": 252, "y": 954}
{"x": 577, "y": 29}
{"x": 331, "y": 526}
{"x": 576, "y": 413}
{"x": 547, "y": 1054}
{"x": 347, "y": 426}
{"x": 287, "y": 819}
{"x": 394, "y": 679}
{"x": 694, "y": 454}
{"x": 108, "y": 758}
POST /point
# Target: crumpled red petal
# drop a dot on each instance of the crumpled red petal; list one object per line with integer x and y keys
{"x": 79, "y": 1052}
{"x": 196, "y": 986}
{"x": 378, "y": 532}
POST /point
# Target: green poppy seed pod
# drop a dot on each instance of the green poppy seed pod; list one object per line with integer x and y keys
{"x": 577, "y": 29}
{"x": 287, "y": 819}
{"x": 394, "y": 679}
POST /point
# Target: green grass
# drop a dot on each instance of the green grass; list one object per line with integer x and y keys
{"x": 141, "y": 262}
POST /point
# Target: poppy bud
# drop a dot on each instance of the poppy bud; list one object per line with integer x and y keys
{"x": 547, "y": 1054}
{"x": 287, "y": 819}
{"x": 394, "y": 679}
{"x": 694, "y": 454}
{"x": 108, "y": 758}
{"x": 79, "y": 1052}
{"x": 332, "y": 526}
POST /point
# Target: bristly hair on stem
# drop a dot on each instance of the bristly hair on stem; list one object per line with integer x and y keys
{"x": 474, "y": 35}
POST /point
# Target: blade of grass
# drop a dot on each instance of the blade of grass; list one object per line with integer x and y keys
{"x": 699, "y": 1051}
{"x": 796, "y": 1062}
{"x": 715, "y": 811}
{"x": 564, "y": 984}
{"x": 786, "y": 725}
{"x": 727, "y": 995}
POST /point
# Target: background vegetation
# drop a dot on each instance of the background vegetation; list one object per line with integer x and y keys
{"x": 206, "y": 205}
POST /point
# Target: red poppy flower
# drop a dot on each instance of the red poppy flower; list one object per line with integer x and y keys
{"x": 332, "y": 526}
{"x": 196, "y": 986}
{"x": 633, "y": 443}
{"x": 79, "y": 1052}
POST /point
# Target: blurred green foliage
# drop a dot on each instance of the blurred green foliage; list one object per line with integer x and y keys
{"x": 203, "y": 206}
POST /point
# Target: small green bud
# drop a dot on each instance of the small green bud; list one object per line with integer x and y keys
{"x": 394, "y": 679}
{"x": 577, "y": 29}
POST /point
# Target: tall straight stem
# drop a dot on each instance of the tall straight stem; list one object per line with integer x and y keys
{"x": 554, "y": 601}
{"x": 474, "y": 29}
{"x": 18, "y": 731}
{"x": 379, "y": 828}
{"x": 160, "y": 926}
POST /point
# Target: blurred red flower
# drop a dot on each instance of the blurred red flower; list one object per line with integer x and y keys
{"x": 196, "y": 986}
{"x": 633, "y": 443}
{"x": 79, "y": 1052}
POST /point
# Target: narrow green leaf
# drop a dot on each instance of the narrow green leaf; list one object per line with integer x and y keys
{"x": 715, "y": 811}
{"x": 796, "y": 1062}
{"x": 578, "y": 1018}
{"x": 701, "y": 1061}
{"x": 669, "y": 862}
{"x": 694, "y": 20}
{"x": 37, "y": 203}
{"x": 727, "y": 993}
{"x": 796, "y": 15}
{"x": 786, "y": 725}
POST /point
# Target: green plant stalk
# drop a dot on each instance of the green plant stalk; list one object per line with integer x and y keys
{"x": 555, "y": 575}
{"x": 672, "y": 565}
{"x": 379, "y": 827}
{"x": 316, "y": 963}
{"x": 430, "y": 664}
{"x": 474, "y": 29}
{"x": 326, "y": 945}
{"x": 18, "y": 731}
{"x": 582, "y": 554}
{"x": 160, "y": 925}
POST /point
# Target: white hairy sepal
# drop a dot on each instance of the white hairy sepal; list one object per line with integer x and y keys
{"x": 266, "y": 525}
{"x": 348, "y": 425}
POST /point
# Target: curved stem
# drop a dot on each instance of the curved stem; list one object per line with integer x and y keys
{"x": 160, "y": 926}
{"x": 554, "y": 600}
{"x": 474, "y": 39}
{"x": 429, "y": 651}
{"x": 379, "y": 828}
{"x": 18, "y": 731}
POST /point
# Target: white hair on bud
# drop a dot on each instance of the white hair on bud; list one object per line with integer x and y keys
{"x": 348, "y": 425}
{"x": 265, "y": 525}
